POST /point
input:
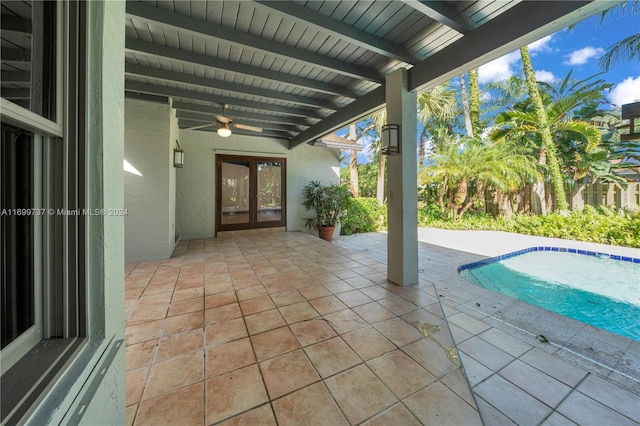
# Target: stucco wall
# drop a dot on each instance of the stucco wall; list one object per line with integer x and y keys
{"x": 308, "y": 163}
{"x": 149, "y": 189}
{"x": 195, "y": 182}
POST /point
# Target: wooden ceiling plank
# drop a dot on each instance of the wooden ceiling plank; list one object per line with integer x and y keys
{"x": 442, "y": 12}
{"x": 205, "y": 29}
{"x": 217, "y": 110}
{"x": 160, "y": 74}
{"x": 155, "y": 89}
{"x": 339, "y": 29}
{"x": 209, "y": 61}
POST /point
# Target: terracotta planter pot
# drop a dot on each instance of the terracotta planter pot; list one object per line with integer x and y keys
{"x": 326, "y": 232}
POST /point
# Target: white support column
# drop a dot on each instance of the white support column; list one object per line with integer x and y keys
{"x": 402, "y": 197}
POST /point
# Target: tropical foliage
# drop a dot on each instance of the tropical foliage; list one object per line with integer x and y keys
{"x": 582, "y": 149}
{"x": 364, "y": 215}
{"x": 367, "y": 179}
{"x": 327, "y": 203}
{"x": 494, "y": 141}
{"x": 461, "y": 176}
{"x": 602, "y": 225}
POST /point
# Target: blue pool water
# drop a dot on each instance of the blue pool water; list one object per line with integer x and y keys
{"x": 596, "y": 290}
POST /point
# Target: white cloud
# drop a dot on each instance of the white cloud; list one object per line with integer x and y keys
{"x": 582, "y": 56}
{"x": 626, "y": 91}
{"x": 499, "y": 69}
{"x": 541, "y": 45}
{"x": 546, "y": 76}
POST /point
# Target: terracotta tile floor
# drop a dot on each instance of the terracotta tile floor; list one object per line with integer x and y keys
{"x": 284, "y": 328}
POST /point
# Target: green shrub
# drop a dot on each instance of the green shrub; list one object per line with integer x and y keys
{"x": 364, "y": 215}
{"x": 598, "y": 225}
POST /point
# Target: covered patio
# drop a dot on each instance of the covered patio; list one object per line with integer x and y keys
{"x": 274, "y": 326}
{"x": 285, "y": 328}
{"x": 281, "y": 327}
{"x": 232, "y": 84}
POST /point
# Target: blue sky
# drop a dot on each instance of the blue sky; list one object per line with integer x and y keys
{"x": 578, "y": 49}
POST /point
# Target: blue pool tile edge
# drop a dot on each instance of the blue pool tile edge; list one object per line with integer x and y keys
{"x": 546, "y": 248}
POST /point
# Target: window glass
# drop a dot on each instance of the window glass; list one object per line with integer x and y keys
{"x": 269, "y": 191}
{"x": 28, "y": 55}
{"x": 16, "y": 236}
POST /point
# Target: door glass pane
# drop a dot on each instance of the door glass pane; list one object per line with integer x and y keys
{"x": 16, "y": 235}
{"x": 269, "y": 191}
{"x": 235, "y": 192}
{"x": 29, "y": 55}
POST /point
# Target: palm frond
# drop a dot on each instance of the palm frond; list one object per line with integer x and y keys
{"x": 627, "y": 49}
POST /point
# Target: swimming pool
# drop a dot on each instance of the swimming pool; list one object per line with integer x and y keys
{"x": 595, "y": 288}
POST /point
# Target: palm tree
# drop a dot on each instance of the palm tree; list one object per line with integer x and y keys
{"x": 379, "y": 119}
{"x": 575, "y": 141}
{"x": 436, "y": 106}
{"x": 627, "y": 49}
{"x": 462, "y": 176}
{"x": 437, "y": 109}
{"x": 353, "y": 164}
{"x": 474, "y": 102}
{"x": 465, "y": 106}
{"x": 547, "y": 153}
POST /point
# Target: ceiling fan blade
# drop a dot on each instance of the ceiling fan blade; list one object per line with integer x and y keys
{"x": 223, "y": 119}
{"x": 201, "y": 127}
{"x": 249, "y": 128}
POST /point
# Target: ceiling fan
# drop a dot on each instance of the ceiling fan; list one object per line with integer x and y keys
{"x": 226, "y": 123}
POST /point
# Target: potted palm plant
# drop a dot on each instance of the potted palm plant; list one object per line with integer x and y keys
{"x": 328, "y": 203}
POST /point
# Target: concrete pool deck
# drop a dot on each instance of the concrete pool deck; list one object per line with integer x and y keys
{"x": 496, "y": 243}
{"x": 581, "y": 375}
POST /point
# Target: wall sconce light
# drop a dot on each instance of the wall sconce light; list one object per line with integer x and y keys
{"x": 390, "y": 139}
{"x": 178, "y": 156}
{"x": 224, "y": 131}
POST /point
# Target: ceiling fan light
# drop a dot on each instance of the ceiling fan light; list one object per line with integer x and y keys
{"x": 224, "y": 131}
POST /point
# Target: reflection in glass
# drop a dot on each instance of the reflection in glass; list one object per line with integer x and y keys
{"x": 29, "y": 55}
{"x": 235, "y": 192}
{"x": 269, "y": 191}
{"x": 16, "y": 235}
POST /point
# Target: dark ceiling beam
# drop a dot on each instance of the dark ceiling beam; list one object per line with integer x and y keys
{"x": 14, "y": 54}
{"x": 189, "y": 94}
{"x": 146, "y": 97}
{"x": 442, "y": 12}
{"x": 159, "y": 74}
{"x": 524, "y": 23}
{"x": 211, "y": 118}
{"x": 520, "y": 25}
{"x": 328, "y": 25}
{"x": 208, "y": 30}
{"x": 146, "y": 48}
{"x": 359, "y": 108}
{"x": 217, "y": 110}
{"x": 185, "y": 124}
{"x": 15, "y": 76}
{"x": 16, "y": 24}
